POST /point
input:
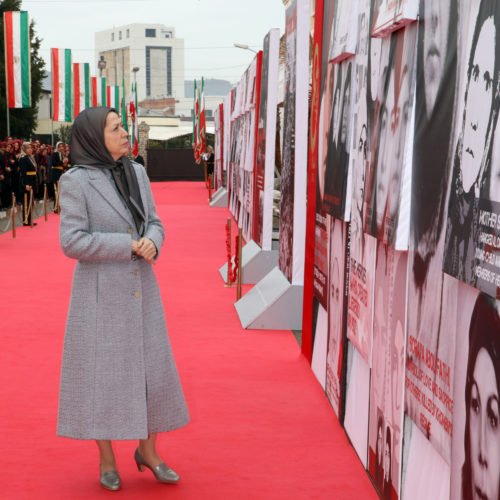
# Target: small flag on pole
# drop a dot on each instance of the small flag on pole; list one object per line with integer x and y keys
{"x": 124, "y": 107}
{"x": 134, "y": 136}
{"x": 81, "y": 80}
{"x": 61, "y": 85}
{"x": 17, "y": 59}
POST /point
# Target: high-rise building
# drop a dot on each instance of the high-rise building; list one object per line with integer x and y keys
{"x": 153, "y": 48}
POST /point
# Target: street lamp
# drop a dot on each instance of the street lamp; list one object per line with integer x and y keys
{"x": 244, "y": 47}
{"x": 135, "y": 69}
{"x": 101, "y": 64}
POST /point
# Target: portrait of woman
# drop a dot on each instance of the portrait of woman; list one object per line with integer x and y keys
{"x": 436, "y": 91}
{"x": 335, "y": 311}
{"x": 337, "y": 158}
{"x": 385, "y": 196}
{"x": 481, "y": 468}
{"x": 472, "y": 153}
{"x": 118, "y": 377}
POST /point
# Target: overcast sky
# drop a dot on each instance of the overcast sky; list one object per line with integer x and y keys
{"x": 209, "y": 28}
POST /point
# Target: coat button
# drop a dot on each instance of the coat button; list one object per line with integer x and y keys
{"x": 134, "y": 257}
{"x": 129, "y": 230}
{"x": 137, "y": 295}
{"x": 136, "y": 272}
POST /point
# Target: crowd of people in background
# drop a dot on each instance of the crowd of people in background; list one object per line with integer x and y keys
{"x": 30, "y": 166}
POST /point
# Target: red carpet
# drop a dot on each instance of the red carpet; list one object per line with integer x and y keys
{"x": 261, "y": 426}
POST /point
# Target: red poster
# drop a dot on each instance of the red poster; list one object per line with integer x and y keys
{"x": 311, "y": 182}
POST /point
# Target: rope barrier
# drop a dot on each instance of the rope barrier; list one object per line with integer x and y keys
{"x": 56, "y": 198}
{"x": 236, "y": 260}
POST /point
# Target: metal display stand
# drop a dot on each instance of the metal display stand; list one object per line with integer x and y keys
{"x": 255, "y": 262}
{"x": 219, "y": 198}
{"x": 272, "y": 304}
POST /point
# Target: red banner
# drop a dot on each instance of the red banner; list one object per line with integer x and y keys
{"x": 307, "y": 312}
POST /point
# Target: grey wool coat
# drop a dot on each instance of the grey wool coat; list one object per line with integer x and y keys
{"x": 118, "y": 375}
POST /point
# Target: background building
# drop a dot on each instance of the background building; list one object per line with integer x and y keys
{"x": 153, "y": 48}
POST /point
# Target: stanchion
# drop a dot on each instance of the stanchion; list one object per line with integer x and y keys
{"x": 240, "y": 238}
{"x": 210, "y": 188}
{"x": 31, "y": 207}
{"x": 229, "y": 282}
{"x": 56, "y": 198}
{"x": 205, "y": 170}
{"x": 45, "y": 193}
{"x": 13, "y": 215}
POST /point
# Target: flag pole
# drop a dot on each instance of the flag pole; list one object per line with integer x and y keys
{"x": 6, "y": 77}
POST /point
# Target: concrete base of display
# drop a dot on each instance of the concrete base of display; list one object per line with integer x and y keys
{"x": 272, "y": 304}
{"x": 219, "y": 198}
{"x": 255, "y": 263}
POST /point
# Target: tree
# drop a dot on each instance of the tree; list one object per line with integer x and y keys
{"x": 22, "y": 121}
{"x": 64, "y": 132}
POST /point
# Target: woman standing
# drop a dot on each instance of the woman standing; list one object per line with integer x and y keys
{"x": 118, "y": 379}
{"x": 29, "y": 182}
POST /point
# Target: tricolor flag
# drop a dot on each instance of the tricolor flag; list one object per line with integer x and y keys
{"x": 81, "y": 80}
{"x": 124, "y": 107}
{"x": 113, "y": 96}
{"x": 17, "y": 59}
{"x": 99, "y": 94}
{"x": 134, "y": 136}
{"x": 61, "y": 85}
{"x": 197, "y": 156}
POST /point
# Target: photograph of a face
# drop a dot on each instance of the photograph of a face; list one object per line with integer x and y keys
{"x": 475, "y": 466}
{"x": 387, "y": 377}
{"x": 336, "y": 307}
{"x": 472, "y": 245}
{"x": 387, "y": 195}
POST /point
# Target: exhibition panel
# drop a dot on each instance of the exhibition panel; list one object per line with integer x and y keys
{"x": 400, "y": 260}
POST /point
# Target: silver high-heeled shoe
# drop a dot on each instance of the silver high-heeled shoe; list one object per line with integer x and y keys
{"x": 111, "y": 480}
{"x": 162, "y": 472}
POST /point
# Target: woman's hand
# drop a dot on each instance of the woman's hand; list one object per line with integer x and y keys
{"x": 135, "y": 244}
{"x": 146, "y": 249}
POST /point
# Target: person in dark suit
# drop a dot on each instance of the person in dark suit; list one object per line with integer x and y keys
{"x": 29, "y": 180}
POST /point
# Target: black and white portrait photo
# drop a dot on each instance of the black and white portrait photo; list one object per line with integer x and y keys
{"x": 471, "y": 246}
{"x": 288, "y": 163}
{"x": 430, "y": 313}
{"x": 386, "y": 194}
{"x": 336, "y": 305}
{"x": 338, "y": 144}
{"x": 475, "y": 464}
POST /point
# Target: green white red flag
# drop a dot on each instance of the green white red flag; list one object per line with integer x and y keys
{"x": 113, "y": 96}
{"x": 61, "y": 85}
{"x": 197, "y": 155}
{"x": 124, "y": 107}
{"x": 81, "y": 83}
{"x": 99, "y": 94}
{"x": 17, "y": 59}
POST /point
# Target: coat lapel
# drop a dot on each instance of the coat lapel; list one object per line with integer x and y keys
{"x": 100, "y": 182}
